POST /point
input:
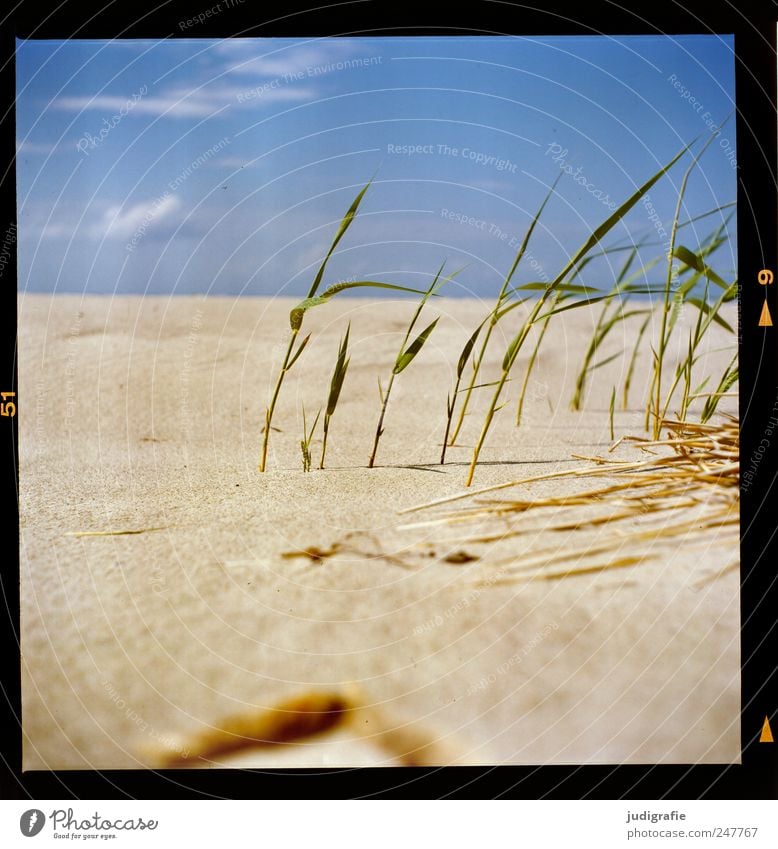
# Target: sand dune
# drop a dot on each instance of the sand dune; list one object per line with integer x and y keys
{"x": 144, "y": 414}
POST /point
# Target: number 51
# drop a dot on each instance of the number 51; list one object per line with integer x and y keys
{"x": 7, "y": 408}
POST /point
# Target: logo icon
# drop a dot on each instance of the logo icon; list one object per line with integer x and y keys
{"x": 31, "y": 822}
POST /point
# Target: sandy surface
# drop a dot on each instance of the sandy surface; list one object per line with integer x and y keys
{"x": 142, "y": 414}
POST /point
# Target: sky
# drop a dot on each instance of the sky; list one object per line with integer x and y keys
{"x": 224, "y": 167}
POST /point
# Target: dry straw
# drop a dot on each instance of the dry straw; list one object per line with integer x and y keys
{"x": 686, "y": 487}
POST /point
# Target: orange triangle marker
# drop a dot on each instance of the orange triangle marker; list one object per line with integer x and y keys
{"x": 767, "y": 734}
{"x": 765, "y": 319}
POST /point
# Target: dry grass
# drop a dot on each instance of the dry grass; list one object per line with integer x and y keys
{"x": 687, "y": 488}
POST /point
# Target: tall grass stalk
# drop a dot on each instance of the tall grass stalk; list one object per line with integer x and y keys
{"x": 633, "y": 360}
{"x": 405, "y": 356}
{"x": 297, "y": 314}
{"x": 665, "y": 305}
{"x": 543, "y": 326}
{"x": 513, "y": 349}
{"x": 291, "y": 356}
{"x": 497, "y": 313}
{"x": 336, "y": 384}
{"x": 607, "y": 320}
{"x": 727, "y": 381}
{"x": 452, "y": 397}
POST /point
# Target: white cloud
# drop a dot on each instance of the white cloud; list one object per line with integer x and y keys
{"x": 290, "y": 59}
{"x": 176, "y": 107}
{"x": 123, "y": 223}
{"x": 27, "y": 147}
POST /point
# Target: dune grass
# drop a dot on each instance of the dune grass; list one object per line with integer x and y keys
{"x": 312, "y": 300}
{"x": 336, "y": 384}
{"x": 498, "y": 312}
{"x": 305, "y": 442}
{"x": 687, "y": 271}
{"x": 560, "y": 283}
{"x": 641, "y": 505}
{"x": 406, "y": 355}
{"x": 669, "y": 297}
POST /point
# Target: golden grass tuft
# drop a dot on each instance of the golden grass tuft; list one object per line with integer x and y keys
{"x": 687, "y": 487}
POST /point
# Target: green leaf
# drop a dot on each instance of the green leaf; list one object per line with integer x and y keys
{"x": 574, "y": 305}
{"x": 614, "y": 219}
{"x": 500, "y": 313}
{"x": 405, "y": 359}
{"x": 693, "y": 261}
{"x": 344, "y": 225}
{"x": 466, "y": 351}
{"x": 338, "y": 374}
{"x": 562, "y": 287}
{"x": 709, "y": 212}
{"x": 605, "y": 362}
{"x": 482, "y": 385}
{"x": 596, "y": 235}
{"x": 298, "y": 352}
{"x": 706, "y": 308}
{"x": 296, "y": 315}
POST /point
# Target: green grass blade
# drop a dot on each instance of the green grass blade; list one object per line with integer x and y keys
{"x": 614, "y": 219}
{"x": 468, "y": 349}
{"x": 338, "y": 374}
{"x": 574, "y": 306}
{"x": 296, "y": 315}
{"x": 728, "y": 379}
{"x": 344, "y": 225}
{"x": 297, "y": 353}
{"x": 693, "y": 261}
{"x": 562, "y": 287}
{"x": 406, "y": 358}
{"x": 708, "y": 310}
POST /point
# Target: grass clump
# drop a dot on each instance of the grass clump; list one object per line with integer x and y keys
{"x": 562, "y": 282}
{"x": 499, "y": 311}
{"x": 405, "y": 356}
{"x": 305, "y": 442}
{"x": 312, "y": 300}
{"x": 336, "y": 384}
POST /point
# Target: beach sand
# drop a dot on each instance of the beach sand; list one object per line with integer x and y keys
{"x": 144, "y": 414}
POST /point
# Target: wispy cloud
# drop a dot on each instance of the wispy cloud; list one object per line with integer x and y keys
{"x": 176, "y": 107}
{"x": 198, "y": 103}
{"x": 122, "y": 223}
{"x": 294, "y": 59}
{"x": 28, "y": 147}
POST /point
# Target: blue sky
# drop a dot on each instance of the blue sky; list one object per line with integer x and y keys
{"x": 224, "y": 167}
